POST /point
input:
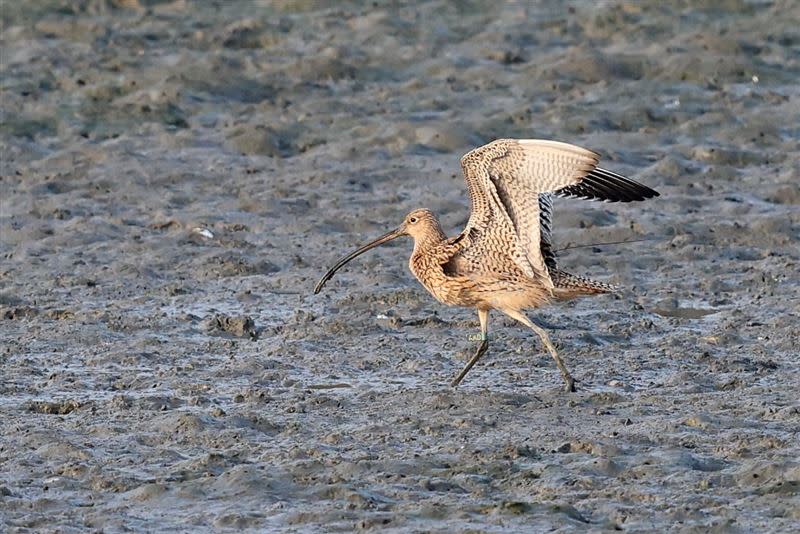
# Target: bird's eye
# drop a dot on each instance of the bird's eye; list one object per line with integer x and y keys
{"x": 412, "y": 220}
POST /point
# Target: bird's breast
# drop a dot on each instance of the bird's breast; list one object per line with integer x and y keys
{"x": 451, "y": 290}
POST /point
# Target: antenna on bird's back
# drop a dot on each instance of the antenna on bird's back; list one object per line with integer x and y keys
{"x": 570, "y": 247}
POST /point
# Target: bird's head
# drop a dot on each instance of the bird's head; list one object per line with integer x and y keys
{"x": 419, "y": 224}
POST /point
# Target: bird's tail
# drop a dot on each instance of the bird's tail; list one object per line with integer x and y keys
{"x": 568, "y": 285}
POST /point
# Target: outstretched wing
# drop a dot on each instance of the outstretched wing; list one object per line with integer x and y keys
{"x": 511, "y": 183}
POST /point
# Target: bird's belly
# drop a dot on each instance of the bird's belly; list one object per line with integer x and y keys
{"x": 500, "y": 296}
{"x": 455, "y": 292}
{"x": 480, "y": 291}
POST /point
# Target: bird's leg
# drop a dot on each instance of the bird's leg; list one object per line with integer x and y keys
{"x": 483, "y": 316}
{"x": 569, "y": 382}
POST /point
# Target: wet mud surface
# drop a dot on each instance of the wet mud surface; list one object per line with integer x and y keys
{"x": 176, "y": 177}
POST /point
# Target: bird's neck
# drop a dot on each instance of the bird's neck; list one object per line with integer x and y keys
{"x": 426, "y": 261}
{"x": 430, "y": 237}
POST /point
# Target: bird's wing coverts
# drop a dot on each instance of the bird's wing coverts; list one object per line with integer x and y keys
{"x": 511, "y": 183}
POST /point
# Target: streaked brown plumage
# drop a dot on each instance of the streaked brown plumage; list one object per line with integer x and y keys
{"x": 503, "y": 259}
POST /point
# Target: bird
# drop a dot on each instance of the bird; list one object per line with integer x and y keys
{"x": 504, "y": 259}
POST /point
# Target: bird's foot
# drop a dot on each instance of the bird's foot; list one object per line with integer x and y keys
{"x": 569, "y": 384}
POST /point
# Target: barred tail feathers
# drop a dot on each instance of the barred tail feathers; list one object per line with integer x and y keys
{"x": 569, "y": 285}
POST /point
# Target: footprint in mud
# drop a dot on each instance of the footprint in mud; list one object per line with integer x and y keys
{"x": 54, "y": 407}
{"x": 237, "y": 326}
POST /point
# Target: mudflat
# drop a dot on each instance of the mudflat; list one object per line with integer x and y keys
{"x": 176, "y": 176}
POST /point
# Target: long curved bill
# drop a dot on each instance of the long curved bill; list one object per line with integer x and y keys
{"x": 397, "y": 232}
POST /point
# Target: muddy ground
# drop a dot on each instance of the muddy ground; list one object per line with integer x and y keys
{"x": 177, "y": 175}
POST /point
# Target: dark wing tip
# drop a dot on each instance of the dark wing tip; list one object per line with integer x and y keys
{"x": 600, "y": 184}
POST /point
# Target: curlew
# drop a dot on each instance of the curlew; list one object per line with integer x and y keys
{"x": 504, "y": 259}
